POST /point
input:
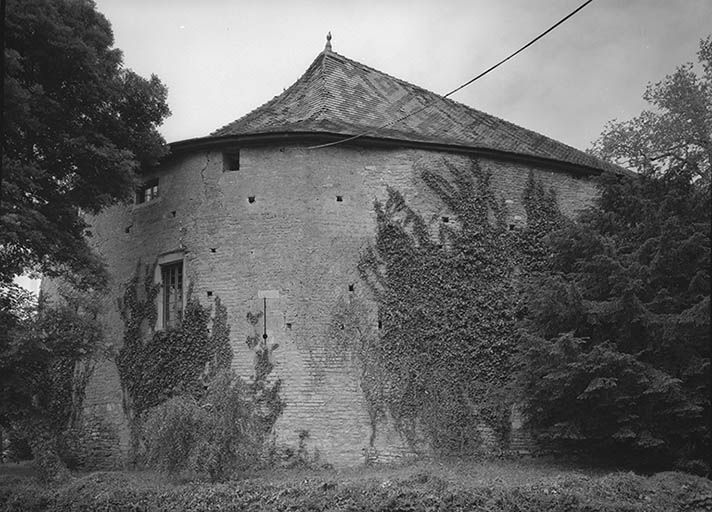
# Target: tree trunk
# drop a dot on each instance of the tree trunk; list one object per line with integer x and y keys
{"x": 43, "y": 442}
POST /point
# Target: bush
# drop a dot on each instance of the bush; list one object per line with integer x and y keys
{"x": 218, "y": 434}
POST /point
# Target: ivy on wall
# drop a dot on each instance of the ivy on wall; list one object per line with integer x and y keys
{"x": 157, "y": 365}
{"x": 449, "y": 302}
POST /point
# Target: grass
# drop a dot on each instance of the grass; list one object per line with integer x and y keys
{"x": 495, "y": 485}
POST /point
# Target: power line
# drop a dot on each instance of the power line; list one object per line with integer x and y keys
{"x": 561, "y": 21}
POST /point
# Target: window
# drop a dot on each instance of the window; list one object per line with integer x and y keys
{"x": 231, "y": 160}
{"x": 147, "y": 192}
{"x": 172, "y": 293}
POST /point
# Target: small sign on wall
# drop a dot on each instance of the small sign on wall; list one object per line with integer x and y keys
{"x": 268, "y": 294}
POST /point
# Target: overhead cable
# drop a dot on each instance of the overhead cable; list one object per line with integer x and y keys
{"x": 439, "y": 98}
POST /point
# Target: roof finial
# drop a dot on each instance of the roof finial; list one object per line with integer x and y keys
{"x": 327, "y": 48}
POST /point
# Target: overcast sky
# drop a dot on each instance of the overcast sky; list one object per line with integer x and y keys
{"x": 222, "y": 58}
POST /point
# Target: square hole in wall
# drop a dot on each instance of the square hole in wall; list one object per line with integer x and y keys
{"x": 212, "y": 249}
{"x": 231, "y": 160}
{"x": 339, "y": 199}
{"x": 380, "y": 324}
{"x": 289, "y": 325}
{"x": 173, "y": 213}
{"x": 210, "y": 294}
{"x": 351, "y": 287}
{"x": 446, "y": 219}
{"x": 251, "y": 199}
{"x": 511, "y": 227}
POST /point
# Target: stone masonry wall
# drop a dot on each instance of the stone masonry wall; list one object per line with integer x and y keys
{"x": 300, "y": 243}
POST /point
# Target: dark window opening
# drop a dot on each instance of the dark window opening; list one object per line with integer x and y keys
{"x": 339, "y": 199}
{"x": 172, "y": 291}
{"x": 351, "y": 287}
{"x": 231, "y": 160}
{"x": 147, "y": 192}
{"x": 380, "y": 324}
{"x": 128, "y": 229}
{"x": 212, "y": 249}
{"x": 210, "y": 294}
{"x": 511, "y": 227}
{"x": 173, "y": 213}
{"x": 251, "y": 199}
{"x": 446, "y": 219}
{"x": 289, "y": 325}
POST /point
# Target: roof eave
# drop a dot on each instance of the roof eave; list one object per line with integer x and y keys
{"x": 316, "y": 138}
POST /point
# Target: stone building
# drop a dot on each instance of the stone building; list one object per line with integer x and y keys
{"x": 267, "y": 215}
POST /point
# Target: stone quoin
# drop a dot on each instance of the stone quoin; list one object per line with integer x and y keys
{"x": 268, "y": 213}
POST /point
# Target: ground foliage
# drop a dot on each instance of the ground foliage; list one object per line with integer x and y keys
{"x": 448, "y": 304}
{"x": 618, "y": 339}
{"x": 77, "y": 127}
{"x": 45, "y": 363}
{"x": 419, "y": 490}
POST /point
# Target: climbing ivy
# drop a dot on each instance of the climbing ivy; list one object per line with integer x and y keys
{"x": 265, "y": 393}
{"x": 157, "y": 365}
{"x": 449, "y": 303}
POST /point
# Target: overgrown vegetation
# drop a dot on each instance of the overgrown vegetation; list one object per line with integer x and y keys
{"x": 499, "y": 487}
{"x": 449, "y": 305}
{"x": 618, "y": 332}
{"x": 45, "y": 362}
{"x": 188, "y": 410}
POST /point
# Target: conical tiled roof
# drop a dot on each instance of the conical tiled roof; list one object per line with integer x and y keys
{"x": 337, "y": 95}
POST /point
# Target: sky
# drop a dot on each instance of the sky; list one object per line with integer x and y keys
{"x": 220, "y": 59}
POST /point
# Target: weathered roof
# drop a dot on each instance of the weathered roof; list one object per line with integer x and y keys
{"x": 337, "y": 95}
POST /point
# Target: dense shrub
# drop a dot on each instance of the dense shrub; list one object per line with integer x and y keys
{"x": 222, "y": 432}
{"x": 618, "y": 332}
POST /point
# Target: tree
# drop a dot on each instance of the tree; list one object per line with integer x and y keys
{"x": 618, "y": 331}
{"x": 676, "y": 134}
{"x": 77, "y": 127}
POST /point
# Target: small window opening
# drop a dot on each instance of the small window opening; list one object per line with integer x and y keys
{"x": 351, "y": 287}
{"x": 339, "y": 199}
{"x": 128, "y": 229}
{"x": 231, "y": 160}
{"x": 289, "y": 325}
{"x": 212, "y": 249}
{"x": 172, "y": 290}
{"x": 380, "y": 324}
{"x": 147, "y": 192}
{"x": 173, "y": 213}
{"x": 210, "y": 294}
{"x": 251, "y": 199}
{"x": 511, "y": 227}
{"x": 446, "y": 219}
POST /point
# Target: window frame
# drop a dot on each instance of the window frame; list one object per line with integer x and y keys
{"x": 148, "y": 191}
{"x": 165, "y": 263}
